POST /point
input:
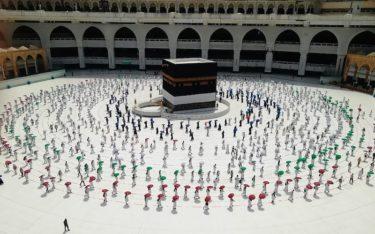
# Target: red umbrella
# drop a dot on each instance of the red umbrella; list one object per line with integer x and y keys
{"x": 187, "y": 187}
{"x": 52, "y": 178}
{"x": 104, "y": 190}
{"x": 160, "y": 196}
{"x": 297, "y": 178}
{"x": 321, "y": 171}
{"x": 150, "y": 186}
{"x": 115, "y": 183}
{"x": 45, "y": 184}
{"x": 265, "y": 182}
{"x": 221, "y": 187}
{"x": 210, "y": 187}
{"x": 176, "y": 186}
{"x": 198, "y": 187}
{"x": 289, "y": 180}
{"x": 8, "y": 162}
{"x": 251, "y": 197}
{"x": 175, "y": 198}
{"x": 127, "y": 193}
{"x": 246, "y": 185}
{"x": 329, "y": 182}
{"x": 335, "y": 167}
{"x": 207, "y": 199}
{"x": 29, "y": 160}
{"x": 279, "y": 182}
{"x": 316, "y": 183}
{"x": 147, "y": 195}
{"x": 47, "y": 168}
{"x": 92, "y": 178}
{"x": 231, "y": 195}
{"x": 87, "y": 186}
{"x": 163, "y": 186}
{"x": 262, "y": 196}
{"x": 68, "y": 183}
{"x": 309, "y": 186}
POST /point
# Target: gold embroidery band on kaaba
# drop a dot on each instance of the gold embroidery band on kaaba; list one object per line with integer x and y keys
{"x": 187, "y": 79}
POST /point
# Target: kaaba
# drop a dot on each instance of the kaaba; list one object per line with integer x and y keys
{"x": 189, "y": 83}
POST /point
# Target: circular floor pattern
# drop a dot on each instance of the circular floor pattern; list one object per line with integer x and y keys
{"x": 281, "y": 145}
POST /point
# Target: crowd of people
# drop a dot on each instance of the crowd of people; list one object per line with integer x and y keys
{"x": 278, "y": 142}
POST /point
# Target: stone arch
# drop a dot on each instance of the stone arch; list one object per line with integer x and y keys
{"x": 192, "y": 37}
{"x": 124, "y": 7}
{"x": 290, "y": 10}
{"x": 211, "y": 8}
{"x": 114, "y": 7}
{"x": 156, "y": 33}
{"x": 152, "y": 8}
{"x": 181, "y": 8}
{"x": 221, "y": 34}
{"x": 288, "y": 37}
{"x": 125, "y": 33}
{"x": 133, "y": 7}
{"x": 301, "y": 9}
{"x": 143, "y": 7}
{"x": 280, "y": 9}
{"x": 269, "y": 9}
{"x": 325, "y": 36}
{"x": 250, "y": 9}
{"x": 230, "y": 9}
{"x": 201, "y": 8}
{"x": 241, "y": 9}
{"x": 260, "y": 9}
{"x": 62, "y": 32}
{"x": 162, "y": 8}
{"x": 254, "y": 36}
{"x": 21, "y": 66}
{"x": 93, "y": 33}
{"x": 362, "y": 42}
{"x": 363, "y": 71}
{"x": 171, "y": 8}
{"x": 25, "y": 35}
{"x": 189, "y": 34}
{"x": 310, "y": 9}
{"x": 221, "y": 9}
{"x": 191, "y": 9}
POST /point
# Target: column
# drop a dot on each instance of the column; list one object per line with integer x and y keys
{"x": 205, "y": 53}
{"x": 111, "y": 57}
{"x": 81, "y": 57}
{"x": 302, "y": 64}
{"x": 141, "y": 57}
{"x": 26, "y": 68}
{"x": 268, "y": 65}
{"x": 236, "y": 60}
{"x": 172, "y": 52}
{"x": 15, "y": 68}
{"x": 36, "y": 67}
{"x": 48, "y": 53}
{"x": 339, "y": 64}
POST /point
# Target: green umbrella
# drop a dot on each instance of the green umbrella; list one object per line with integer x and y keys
{"x": 123, "y": 167}
{"x": 243, "y": 168}
{"x": 297, "y": 168}
{"x": 288, "y": 162}
{"x": 200, "y": 171}
{"x": 116, "y": 174}
{"x": 79, "y": 158}
{"x": 162, "y": 178}
{"x": 176, "y": 172}
{"x": 337, "y": 156}
{"x": 310, "y": 166}
{"x": 313, "y": 156}
{"x": 114, "y": 164}
{"x": 280, "y": 173}
{"x": 149, "y": 168}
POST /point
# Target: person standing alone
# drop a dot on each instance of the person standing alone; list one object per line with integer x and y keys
{"x": 66, "y": 226}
